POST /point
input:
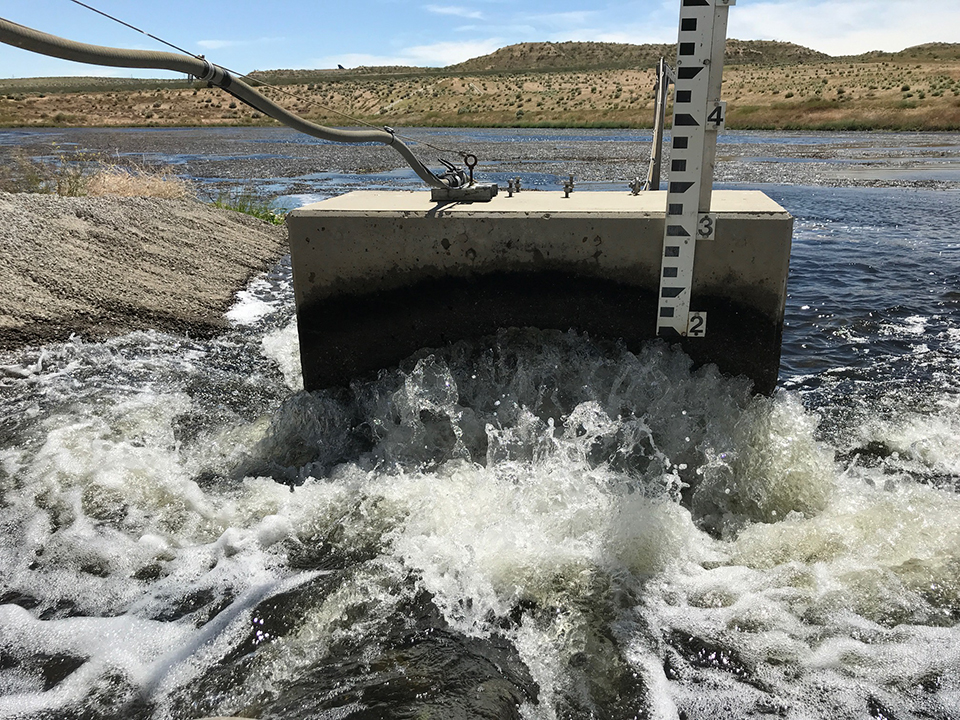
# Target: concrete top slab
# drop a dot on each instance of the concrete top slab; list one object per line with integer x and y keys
{"x": 405, "y": 203}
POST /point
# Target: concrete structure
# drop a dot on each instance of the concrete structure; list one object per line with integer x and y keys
{"x": 379, "y": 275}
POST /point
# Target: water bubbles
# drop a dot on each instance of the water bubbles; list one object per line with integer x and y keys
{"x": 600, "y": 518}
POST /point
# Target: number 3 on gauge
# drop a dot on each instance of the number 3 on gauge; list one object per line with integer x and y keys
{"x": 707, "y": 227}
{"x": 697, "y": 324}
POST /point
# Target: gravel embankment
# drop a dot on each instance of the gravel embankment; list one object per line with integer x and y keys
{"x": 101, "y": 266}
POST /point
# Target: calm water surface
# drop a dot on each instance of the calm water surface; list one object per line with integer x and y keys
{"x": 533, "y": 527}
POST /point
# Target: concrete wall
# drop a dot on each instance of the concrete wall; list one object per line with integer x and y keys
{"x": 379, "y": 275}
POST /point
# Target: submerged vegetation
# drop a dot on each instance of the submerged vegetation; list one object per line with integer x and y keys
{"x": 248, "y": 201}
{"x": 767, "y": 85}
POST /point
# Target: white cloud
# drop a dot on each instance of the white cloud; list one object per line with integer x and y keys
{"x": 834, "y": 26}
{"x": 837, "y": 27}
{"x": 850, "y": 27}
{"x": 217, "y": 44}
{"x": 630, "y": 25}
{"x": 561, "y": 21}
{"x": 221, "y": 44}
{"x": 526, "y": 33}
{"x": 435, "y": 55}
{"x": 455, "y": 10}
{"x": 647, "y": 33}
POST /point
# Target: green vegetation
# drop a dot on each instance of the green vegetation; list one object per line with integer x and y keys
{"x": 250, "y": 202}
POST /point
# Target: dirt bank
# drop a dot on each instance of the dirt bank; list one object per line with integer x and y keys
{"x": 101, "y": 266}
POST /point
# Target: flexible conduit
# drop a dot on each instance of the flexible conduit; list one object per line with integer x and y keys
{"x": 45, "y": 44}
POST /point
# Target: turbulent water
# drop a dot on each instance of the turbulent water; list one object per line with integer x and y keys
{"x": 538, "y": 526}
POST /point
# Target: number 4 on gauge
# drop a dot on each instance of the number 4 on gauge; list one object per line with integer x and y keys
{"x": 718, "y": 117}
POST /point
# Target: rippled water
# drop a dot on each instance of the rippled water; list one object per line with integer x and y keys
{"x": 538, "y": 526}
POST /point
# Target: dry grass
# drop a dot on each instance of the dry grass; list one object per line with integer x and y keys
{"x": 77, "y": 175}
{"x": 138, "y": 182}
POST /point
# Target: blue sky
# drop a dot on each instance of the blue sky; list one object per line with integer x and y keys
{"x": 247, "y": 35}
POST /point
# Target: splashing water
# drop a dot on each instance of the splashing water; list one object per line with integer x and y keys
{"x": 539, "y": 527}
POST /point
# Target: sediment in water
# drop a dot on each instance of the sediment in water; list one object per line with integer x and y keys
{"x": 99, "y": 266}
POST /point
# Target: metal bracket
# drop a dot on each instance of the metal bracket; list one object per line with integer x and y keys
{"x": 478, "y": 192}
{"x": 462, "y": 187}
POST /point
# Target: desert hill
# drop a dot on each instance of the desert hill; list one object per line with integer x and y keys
{"x": 546, "y": 56}
{"x": 767, "y": 85}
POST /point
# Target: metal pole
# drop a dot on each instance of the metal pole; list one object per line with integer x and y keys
{"x": 659, "y": 120}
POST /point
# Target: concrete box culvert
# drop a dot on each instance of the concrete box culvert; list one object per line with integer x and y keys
{"x": 380, "y": 275}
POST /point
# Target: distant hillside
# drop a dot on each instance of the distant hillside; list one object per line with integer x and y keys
{"x": 84, "y": 84}
{"x": 288, "y": 77}
{"x": 565, "y": 56}
{"x": 558, "y": 56}
{"x": 767, "y": 85}
{"x": 542, "y": 56}
{"x": 928, "y": 51}
{"x": 770, "y": 52}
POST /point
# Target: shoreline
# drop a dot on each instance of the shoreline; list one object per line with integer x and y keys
{"x": 852, "y": 121}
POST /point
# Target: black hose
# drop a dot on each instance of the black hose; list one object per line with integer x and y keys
{"x": 45, "y": 44}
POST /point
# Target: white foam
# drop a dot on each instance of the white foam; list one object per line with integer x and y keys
{"x": 283, "y": 347}
{"x": 914, "y": 325}
{"x": 923, "y": 442}
{"x": 542, "y": 485}
{"x": 122, "y": 646}
{"x": 251, "y": 304}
